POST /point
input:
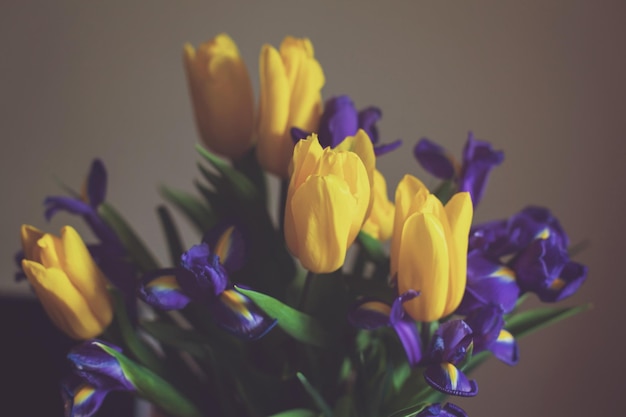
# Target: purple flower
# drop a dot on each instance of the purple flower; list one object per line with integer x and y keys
{"x": 479, "y": 158}
{"x": 341, "y": 119}
{"x": 203, "y": 277}
{"x": 488, "y": 334}
{"x": 448, "y": 410}
{"x": 545, "y": 269}
{"x": 488, "y": 282}
{"x": 95, "y": 373}
{"x": 447, "y": 349}
{"x": 371, "y": 314}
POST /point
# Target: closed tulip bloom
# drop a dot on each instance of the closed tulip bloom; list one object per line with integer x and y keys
{"x": 222, "y": 96}
{"x": 69, "y": 284}
{"x": 429, "y": 249}
{"x": 379, "y": 224}
{"x": 291, "y": 83}
{"x": 328, "y": 200}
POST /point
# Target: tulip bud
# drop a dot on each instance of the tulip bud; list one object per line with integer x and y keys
{"x": 291, "y": 81}
{"x": 379, "y": 224}
{"x": 222, "y": 96}
{"x": 69, "y": 284}
{"x": 429, "y": 249}
{"x": 327, "y": 202}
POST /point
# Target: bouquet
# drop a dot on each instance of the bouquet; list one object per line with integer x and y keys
{"x": 343, "y": 303}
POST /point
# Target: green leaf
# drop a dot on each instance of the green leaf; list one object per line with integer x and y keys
{"x": 131, "y": 339}
{"x": 373, "y": 248}
{"x": 296, "y": 412}
{"x": 315, "y": 395}
{"x": 133, "y": 244}
{"x": 526, "y": 322}
{"x": 300, "y": 326}
{"x": 410, "y": 411}
{"x": 153, "y": 388}
{"x": 239, "y": 183}
{"x": 445, "y": 191}
{"x": 174, "y": 242}
{"x": 186, "y": 340}
{"x": 201, "y": 216}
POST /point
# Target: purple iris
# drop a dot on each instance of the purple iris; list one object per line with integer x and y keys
{"x": 536, "y": 244}
{"x": 371, "y": 314}
{"x": 448, "y": 410}
{"x": 487, "y": 324}
{"x": 203, "y": 276}
{"x": 95, "y": 373}
{"x": 341, "y": 119}
{"x": 87, "y": 207}
{"x": 488, "y": 282}
{"x": 479, "y": 158}
{"x": 447, "y": 349}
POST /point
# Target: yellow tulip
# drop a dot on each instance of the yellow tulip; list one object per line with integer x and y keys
{"x": 291, "y": 83}
{"x": 222, "y": 96}
{"x": 327, "y": 202}
{"x": 429, "y": 249}
{"x": 379, "y": 224}
{"x": 69, "y": 284}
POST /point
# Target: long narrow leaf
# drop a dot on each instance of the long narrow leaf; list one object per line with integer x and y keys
{"x": 201, "y": 216}
{"x": 296, "y": 412}
{"x": 526, "y": 322}
{"x": 240, "y": 184}
{"x": 133, "y": 244}
{"x": 154, "y": 388}
{"x": 299, "y": 325}
{"x": 172, "y": 237}
{"x": 316, "y": 396}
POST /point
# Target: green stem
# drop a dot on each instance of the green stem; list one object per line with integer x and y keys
{"x": 305, "y": 289}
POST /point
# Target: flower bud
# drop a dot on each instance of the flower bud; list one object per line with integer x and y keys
{"x": 222, "y": 96}
{"x": 67, "y": 281}
{"x": 291, "y": 81}
{"x": 429, "y": 249}
{"x": 328, "y": 200}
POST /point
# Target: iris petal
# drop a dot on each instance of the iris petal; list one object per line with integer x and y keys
{"x": 447, "y": 378}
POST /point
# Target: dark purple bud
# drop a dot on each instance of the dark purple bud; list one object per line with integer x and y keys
{"x": 434, "y": 159}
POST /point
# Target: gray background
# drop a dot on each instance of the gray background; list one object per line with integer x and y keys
{"x": 542, "y": 80}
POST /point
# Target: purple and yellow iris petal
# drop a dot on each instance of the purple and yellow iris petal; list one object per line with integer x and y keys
{"x": 96, "y": 373}
{"x": 237, "y": 314}
{"x": 228, "y": 245}
{"x": 445, "y": 377}
{"x": 488, "y": 282}
{"x": 162, "y": 290}
{"x": 505, "y": 348}
{"x": 435, "y": 159}
{"x": 448, "y": 410}
{"x": 486, "y": 324}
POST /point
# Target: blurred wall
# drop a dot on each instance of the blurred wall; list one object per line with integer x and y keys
{"x": 542, "y": 80}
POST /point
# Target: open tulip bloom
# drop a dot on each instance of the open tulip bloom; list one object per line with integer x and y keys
{"x": 344, "y": 303}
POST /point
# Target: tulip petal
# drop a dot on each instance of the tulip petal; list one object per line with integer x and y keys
{"x": 459, "y": 211}
{"x": 30, "y": 235}
{"x": 67, "y": 308}
{"x": 85, "y": 275}
{"x": 408, "y": 189}
{"x": 274, "y": 150}
{"x": 423, "y": 265}
{"x": 324, "y": 209}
